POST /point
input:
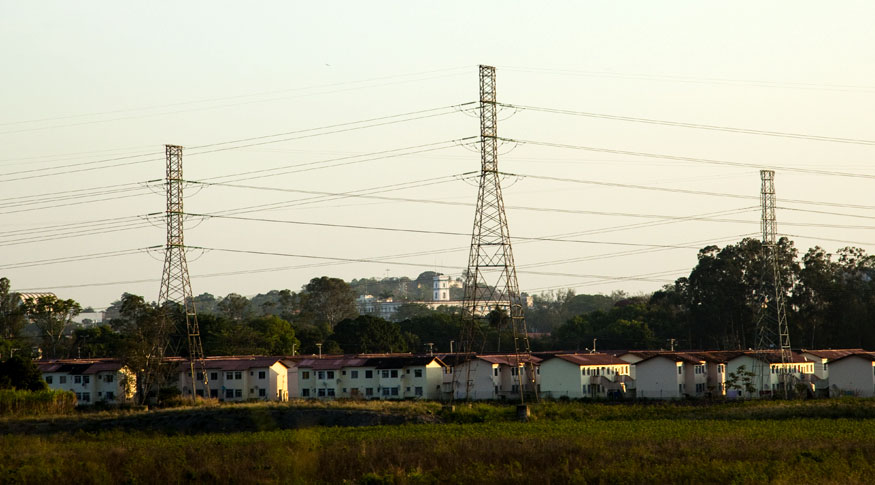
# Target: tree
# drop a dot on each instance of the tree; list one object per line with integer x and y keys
{"x": 235, "y": 307}
{"x": 741, "y": 380}
{"x": 275, "y": 335}
{"x": 328, "y": 300}
{"x": 21, "y": 373}
{"x": 53, "y": 317}
{"x": 369, "y": 334}
{"x": 12, "y": 314}
{"x": 99, "y": 341}
{"x": 144, "y": 335}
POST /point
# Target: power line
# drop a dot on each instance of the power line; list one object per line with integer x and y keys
{"x": 689, "y": 159}
{"x": 692, "y": 125}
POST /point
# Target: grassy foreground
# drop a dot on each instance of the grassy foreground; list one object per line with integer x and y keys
{"x": 567, "y": 443}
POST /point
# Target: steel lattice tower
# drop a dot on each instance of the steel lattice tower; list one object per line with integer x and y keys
{"x": 175, "y": 282}
{"x": 773, "y": 312}
{"x": 491, "y": 281}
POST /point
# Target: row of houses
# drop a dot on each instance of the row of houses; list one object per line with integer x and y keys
{"x": 629, "y": 374}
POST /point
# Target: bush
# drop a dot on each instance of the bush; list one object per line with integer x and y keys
{"x": 33, "y": 403}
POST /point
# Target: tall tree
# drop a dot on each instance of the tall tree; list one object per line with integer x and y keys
{"x": 144, "y": 337}
{"x": 53, "y": 317}
{"x": 328, "y": 300}
{"x": 12, "y": 313}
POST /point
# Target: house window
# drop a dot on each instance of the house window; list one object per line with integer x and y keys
{"x": 214, "y": 393}
{"x": 238, "y": 375}
{"x": 369, "y": 391}
{"x": 680, "y": 369}
{"x": 77, "y": 379}
{"x": 305, "y": 393}
{"x": 394, "y": 373}
{"x": 78, "y": 396}
{"x": 330, "y": 392}
{"x": 320, "y": 375}
{"x": 48, "y": 379}
{"x": 369, "y": 374}
{"x": 321, "y": 392}
{"x": 680, "y": 388}
{"x": 229, "y": 393}
{"x": 386, "y": 391}
{"x": 384, "y": 374}
{"x": 417, "y": 391}
{"x": 417, "y": 373}
{"x": 214, "y": 376}
{"x": 408, "y": 371}
{"x": 62, "y": 379}
{"x": 229, "y": 376}
{"x": 109, "y": 378}
{"x": 86, "y": 379}
{"x": 331, "y": 374}
{"x": 394, "y": 391}
{"x": 262, "y": 374}
{"x": 200, "y": 376}
{"x": 109, "y": 396}
{"x": 495, "y": 371}
{"x": 514, "y": 371}
{"x": 238, "y": 392}
{"x": 305, "y": 375}
{"x": 354, "y": 374}
{"x": 514, "y": 388}
{"x": 251, "y": 391}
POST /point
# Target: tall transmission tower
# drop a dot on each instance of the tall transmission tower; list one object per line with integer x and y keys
{"x": 772, "y": 319}
{"x": 175, "y": 282}
{"x": 491, "y": 287}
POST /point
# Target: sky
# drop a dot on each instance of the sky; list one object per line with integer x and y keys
{"x": 340, "y": 138}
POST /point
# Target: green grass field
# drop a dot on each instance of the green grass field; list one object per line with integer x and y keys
{"x": 769, "y": 442}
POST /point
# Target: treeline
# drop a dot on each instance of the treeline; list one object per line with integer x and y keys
{"x": 829, "y": 300}
{"x": 830, "y": 303}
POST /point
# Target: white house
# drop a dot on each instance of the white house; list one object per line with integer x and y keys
{"x": 239, "y": 378}
{"x": 583, "y": 376}
{"x": 92, "y": 380}
{"x": 769, "y": 374}
{"x": 853, "y": 374}
{"x": 821, "y": 360}
{"x": 670, "y": 375}
{"x": 485, "y": 377}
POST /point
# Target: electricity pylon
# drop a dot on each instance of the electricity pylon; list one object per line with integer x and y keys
{"x": 175, "y": 282}
{"x": 772, "y": 319}
{"x": 491, "y": 287}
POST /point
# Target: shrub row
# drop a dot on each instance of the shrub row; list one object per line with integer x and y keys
{"x": 14, "y": 402}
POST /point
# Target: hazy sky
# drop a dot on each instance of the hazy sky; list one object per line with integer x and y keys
{"x": 91, "y": 92}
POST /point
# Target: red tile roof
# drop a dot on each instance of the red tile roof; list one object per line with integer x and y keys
{"x": 592, "y": 359}
{"x": 832, "y": 354}
{"x": 79, "y": 366}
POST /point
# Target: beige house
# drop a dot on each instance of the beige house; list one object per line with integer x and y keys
{"x": 853, "y": 375}
{"x": 92, "y": 380}
{"x": 239, "y": 378}
{"x": 487, "y": 377}
{"x": 578, "y": 376}
{"x": 370, "y": 376}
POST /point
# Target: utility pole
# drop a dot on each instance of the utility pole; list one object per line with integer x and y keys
{"x": 773, "y": 312}
{"x": 175, "y": 282}
{"x": 491, "y": 281}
